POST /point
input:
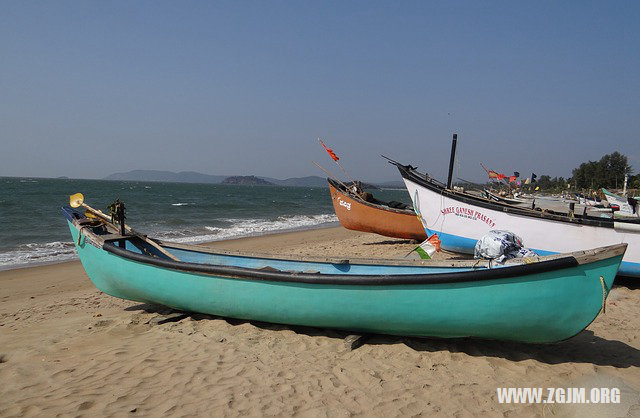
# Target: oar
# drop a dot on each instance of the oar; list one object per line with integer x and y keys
{"x": 77, "y": 200}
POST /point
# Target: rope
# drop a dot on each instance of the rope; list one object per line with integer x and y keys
{"x": 425, "y": 222}
{"x": 605, "y": 293}
{"x": 97, "y": 222}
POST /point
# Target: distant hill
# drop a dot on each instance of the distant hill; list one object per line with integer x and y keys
{"x": 247, "y": 181}
{"x": 194, "y": 177}
{"x": 398, "y": 184}
{"x": 168, "y": 176}
{"x": 309, "y": 181}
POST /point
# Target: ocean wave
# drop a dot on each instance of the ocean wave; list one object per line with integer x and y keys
{"x": 29, "y": 254}
{"x": 181, "y": 204}
{"x": 247, "y": 227}
{"x": 38, "y": 253}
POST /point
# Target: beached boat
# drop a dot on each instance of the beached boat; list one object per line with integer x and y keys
{"x": 625, "y": 206}
{"x": 588, "y": 201}
{"x": 460, "y": 220}
{"x": 512, "y": 201}
{"x": 361, "y": 212}
{"x": 536, "y": 300}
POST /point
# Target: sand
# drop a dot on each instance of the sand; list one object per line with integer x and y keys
{"x": 67, "y": 349}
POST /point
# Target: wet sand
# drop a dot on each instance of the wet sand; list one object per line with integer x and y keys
{"x": 68, "y": 349}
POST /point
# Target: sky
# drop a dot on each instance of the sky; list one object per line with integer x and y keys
{"x": 91, "y": 88}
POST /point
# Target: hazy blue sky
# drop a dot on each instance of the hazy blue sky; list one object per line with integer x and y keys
{"x": 90, "y": 88}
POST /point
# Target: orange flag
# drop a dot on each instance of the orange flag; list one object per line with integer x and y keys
{"x": 330, "y": 151}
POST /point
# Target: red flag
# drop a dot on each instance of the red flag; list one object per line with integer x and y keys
{"x": 501, "y": 176}
{"x": 512, "y": 179}
{"x": 329, "y": 150}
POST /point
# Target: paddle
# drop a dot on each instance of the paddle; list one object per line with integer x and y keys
{"x": 77, "y": 200}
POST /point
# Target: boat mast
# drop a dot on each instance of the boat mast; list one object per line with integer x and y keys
{"x": 452, "y": 159}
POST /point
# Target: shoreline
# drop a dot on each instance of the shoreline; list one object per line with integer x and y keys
{"x": 336, "y": 224}
{"x": 276, "y": 242}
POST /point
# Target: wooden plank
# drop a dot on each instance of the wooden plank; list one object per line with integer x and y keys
{"x": 354, "y": 341}
{"x": 172, "y": 317}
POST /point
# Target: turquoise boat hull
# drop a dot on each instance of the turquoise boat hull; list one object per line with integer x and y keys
{"x": 541, "y": 307}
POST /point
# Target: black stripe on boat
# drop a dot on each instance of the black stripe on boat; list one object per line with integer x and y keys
{"x": 408, "y": 210}
{"x": 344, "y": 279}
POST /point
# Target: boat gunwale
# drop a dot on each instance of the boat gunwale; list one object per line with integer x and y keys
{"x": 469, "y": 276}
{"x": 480, "y": 270}
{"x": 343, "y": 192}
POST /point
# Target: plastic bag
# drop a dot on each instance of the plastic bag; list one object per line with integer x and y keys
{"x": 501, "y": 246}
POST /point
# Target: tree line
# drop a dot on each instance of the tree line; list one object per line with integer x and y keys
{"x": 609, "y": 172}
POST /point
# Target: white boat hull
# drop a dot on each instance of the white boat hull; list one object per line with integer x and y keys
{"x": 460, "y": 224}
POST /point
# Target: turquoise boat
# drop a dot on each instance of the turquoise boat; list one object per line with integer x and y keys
{"x": 539, "y": 300}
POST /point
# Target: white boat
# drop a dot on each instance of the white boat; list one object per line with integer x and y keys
{"x": 460, "y": 220}
{"x": 587, "y": 201}
{"x": 626, "y": 206}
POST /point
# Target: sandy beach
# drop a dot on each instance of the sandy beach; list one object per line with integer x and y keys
{"x": 68, "y": 349}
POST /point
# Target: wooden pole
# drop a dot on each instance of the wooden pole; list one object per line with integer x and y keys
{"x": 451, "y": 160}
{"x": 327, "y": 172}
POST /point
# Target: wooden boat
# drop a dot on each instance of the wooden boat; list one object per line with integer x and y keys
{"x": 536, "y": 300}
{"x": 375, "y": 216}
{"x": 460, "y": 220}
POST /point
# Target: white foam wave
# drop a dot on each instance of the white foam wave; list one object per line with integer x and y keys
{"x": 38, "y": 253}
{"x": 181, "y": 204}
{"x": 249, "y": 227}
{"x": 58, "y": 251}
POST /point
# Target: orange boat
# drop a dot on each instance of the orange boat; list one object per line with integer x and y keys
{"x": 361, "y": 212}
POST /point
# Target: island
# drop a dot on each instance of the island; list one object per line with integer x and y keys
{"x": 247, "y": 181}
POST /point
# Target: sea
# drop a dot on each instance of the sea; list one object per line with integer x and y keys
{"x": 34, "y": 231}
